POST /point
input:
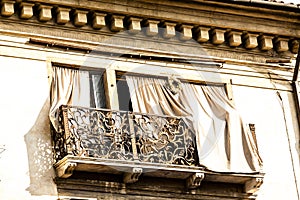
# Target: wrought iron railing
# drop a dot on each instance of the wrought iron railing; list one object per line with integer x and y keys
{"x": 121, "y": 135}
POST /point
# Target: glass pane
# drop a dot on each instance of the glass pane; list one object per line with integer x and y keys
{"x": 124, "y": 96}
{"x": 98, "y": 91}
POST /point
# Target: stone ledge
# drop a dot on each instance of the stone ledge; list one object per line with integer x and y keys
{"x": 148, "y": 188}
{"x": 131, "y": 170}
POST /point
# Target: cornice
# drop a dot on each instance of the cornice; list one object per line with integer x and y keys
{"x": 273, "y": 4}
{"x": 156, "y": 7}
{"x": 209, "y": 23}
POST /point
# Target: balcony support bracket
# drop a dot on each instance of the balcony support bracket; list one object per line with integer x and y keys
{"x": 66, "y": 169}
{"x": 253, "y": 185}
{"x": 132, "y": 177}
{"x": 194, "y": 180}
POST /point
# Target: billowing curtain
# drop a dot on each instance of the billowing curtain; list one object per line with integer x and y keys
{"x": 149, "y": 95}
{"x": 224, "y": 143}
{"x": 68, "y": 86}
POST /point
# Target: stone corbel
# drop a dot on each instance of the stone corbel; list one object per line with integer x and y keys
{"x": 253, "y": 185}
{"x": 132, "y": 177}
{"x": 281, "y": 44}
{"x": 202, "y": 34}
{"x": 186, "y": 32}
{"x": 45, "y": 13}
{"x": 195, "y": 180}
{"x": 80, "y": 17}
{"x": 169, "y": 29}
{"x": 134, "y": 25}
{"x": 7, "y": 8}
{"x": 66, "y": 170}
{"x": 116, "y": 23}
{"x": 217, "y": 36}
{"x": 63, "y": 15}
{"x": 26, "y": 10}
{"x": 265, "y": 42}
{"x": 250, "y": 40}
{"x": 151, "y": 27}
{"x": 98, "y": 20}
{"x": 234, "y": 38}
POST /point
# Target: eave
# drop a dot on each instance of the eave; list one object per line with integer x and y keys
{"x": 222, "y": 28}
{"x": 206, "y": 13}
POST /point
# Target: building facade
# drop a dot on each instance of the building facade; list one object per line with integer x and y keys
{"x": 148, "y": 99}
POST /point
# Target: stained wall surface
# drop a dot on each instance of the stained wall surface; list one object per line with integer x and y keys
{"x": 26, "y": 170}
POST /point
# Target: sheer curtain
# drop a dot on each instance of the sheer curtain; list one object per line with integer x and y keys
{"x": 149, "y": 96}
{"x": 224, "y": 143}
{"x": 68, "y": 86}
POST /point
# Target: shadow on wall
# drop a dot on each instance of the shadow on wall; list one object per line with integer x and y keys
{"x": 40, "y": 155}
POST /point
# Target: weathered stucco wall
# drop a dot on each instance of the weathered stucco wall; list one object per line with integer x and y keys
{"x": 26, "y": 164}
{"x": 277, "y": 136}
{"x": 26, "y": 170}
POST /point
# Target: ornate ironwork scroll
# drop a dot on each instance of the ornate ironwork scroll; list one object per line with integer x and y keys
{"x": 94, "y": 133}
{"x": 122, "y": 135}
{"x": 59, "y": 139}
{"x": 164, "y": 140}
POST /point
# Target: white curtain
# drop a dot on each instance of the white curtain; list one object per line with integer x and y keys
{"x": 149, "y": 96}
{"x": 68, "y": 86}
{"x": 224, "y": 143}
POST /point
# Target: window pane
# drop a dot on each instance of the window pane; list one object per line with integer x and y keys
{"x": 98, "y": 91}
{"x": 124, "y": 96}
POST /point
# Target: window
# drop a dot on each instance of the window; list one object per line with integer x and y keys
{"x": 123, "y": 95}
{"x": 224, "y": 143}
{"x": 71, "y": 86}
{"x": 97, "y": 90}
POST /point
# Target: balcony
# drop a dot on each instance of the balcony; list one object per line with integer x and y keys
{"x": 131, "y": 144}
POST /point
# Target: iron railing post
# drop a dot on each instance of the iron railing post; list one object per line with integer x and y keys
{"x": 132, "y": 136}
{"x": 66, "y": 129}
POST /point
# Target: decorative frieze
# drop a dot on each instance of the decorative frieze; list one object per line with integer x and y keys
{"x": 98, "y": 20}
{"x": 217, "y": 36}
{"x": 202, "y": 34}
{"x": 7, "y": 8}
{"x": 80, "y": 18}
{"x": 26, "y": 10}
{"x": 151, "y": 27}
{"x": 44, "y": 13}
{"x": 63, "y": 15}
{"x": 134, "y": 24}
{"x": 265, "y": 42}
{"x": 169, "y": 30}
{"x": 250, "y": 40}
{"x": 186, "y": 32}
{"x": 116, "y": 23}
{"x": 234, "y": 38}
